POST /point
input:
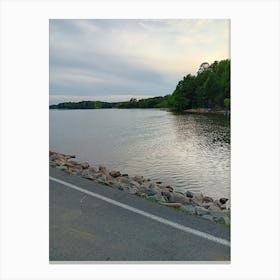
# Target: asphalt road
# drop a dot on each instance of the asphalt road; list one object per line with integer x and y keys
{"x": 87, "y": 228}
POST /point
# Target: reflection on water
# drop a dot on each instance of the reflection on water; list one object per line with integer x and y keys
{"x": 187, "y": 151}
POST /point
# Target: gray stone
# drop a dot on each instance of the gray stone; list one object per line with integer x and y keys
{"x": 207, "y": 199}
{"x": 62, "y": 167}
{"x": 188, "y": 208}
{"x": 157, "y": 197}
{"x": 200, "y": 211}
{"x": 102, "y": 179}
{"x": 124, "y": 180}
{"x": 213, "y": 207}
{"x": 101, "y": 168}
{"x": 134, "y": 184}
{"x": 178, "y": 197}
{"x": 170, "y": 188}
{"x": 167, "y": 196}
{"x": 207, "y": 204}
{"x": 208, "y": 217}
{"x": 148, "y": 189}
{"x": 171, "y": 204}
{"x": 117, "y": 187}
{"x": 92, "y": 169}
{"x": 198, "y": 197}
{"x": 225, "y": 220}
{"x": 85, "y": 165}
{"x": 138, "y": 179}
{"x": 223, "y": 200}
{"x": 115, "y": 174}
{"x": 189, "y": 194}
{"x": 132, "y": 190}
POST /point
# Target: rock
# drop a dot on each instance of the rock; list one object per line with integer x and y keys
{"x": 223, "y": 207}
{"x": 198, "y": 197}
{"x": 157, "y": 197}
{"x": 194, "y": 202}
{"x": 208, "y": 199}
{"x": 89, "y": 177}
{"x": 164, "y": 189}
{"x": 115, "y": 174}
{"x": 124, "y": 180}
{"x": 170, "y": 204}
{"x": 207, "y": 204}
{"x": 179, "y": 197}
{"x": 73, "y": 162}
{"x": 69, "y": 156}
{"x": 92, "y": 169}
{"x": 226, "y": 212}
{"x": 59, "y": 162}
{"x": 148, "y": 189}
{"x": 102, "y": 179}
{"x": 225, "y": 220}
{"x": 117, "y": 186}
{"x": 223, "y": 200}
{"x": 228, "y": 204}
{"x": 69, "y": 164}
{"x": 132, "y": 190}
{"x": 200, "y": 211}
{"x": 167, "y": 196}
{"x": 208, "y": 217}
{"x": 213, "y": 207}
{"x": 134, "y": 184}
{"x": 102, "y": 168}
{"x": 188, "y": 208}
{"x": 85, "y": 165}
{"x": 189, "y": 194}
{"x": 62, "y": 167}
{"x": 138, "y": 179}
{"x": 170, "y": 188}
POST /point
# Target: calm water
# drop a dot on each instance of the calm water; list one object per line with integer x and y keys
{"x": 190, "y": 152}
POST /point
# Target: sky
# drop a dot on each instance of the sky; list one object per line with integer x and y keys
{"x": 117, "y": 59}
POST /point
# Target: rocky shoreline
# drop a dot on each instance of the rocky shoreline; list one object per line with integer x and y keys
{"x": 192, "y": 203}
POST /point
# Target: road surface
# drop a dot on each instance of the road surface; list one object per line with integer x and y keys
{"x": 92, "y": 222}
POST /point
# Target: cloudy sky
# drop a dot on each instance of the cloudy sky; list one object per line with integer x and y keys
{"x": 114, "y": 60}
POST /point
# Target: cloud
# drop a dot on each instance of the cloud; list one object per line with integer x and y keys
{"x": 115, "y": 57}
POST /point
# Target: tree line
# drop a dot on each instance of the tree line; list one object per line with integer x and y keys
{"x": 209, "y": 88}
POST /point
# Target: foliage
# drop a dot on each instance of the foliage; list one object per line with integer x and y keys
{"x": 83, "y": 105}
{"x": 154, "y": 102}
{"x": 208, "y": 89}
{"x": 227, "y": 103}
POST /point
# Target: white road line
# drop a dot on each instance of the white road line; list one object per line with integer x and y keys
{"x": 146, "y": 214}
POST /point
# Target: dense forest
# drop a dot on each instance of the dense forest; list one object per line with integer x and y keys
{"x": 209, "y": 88}
{"x": 153, "y": 102}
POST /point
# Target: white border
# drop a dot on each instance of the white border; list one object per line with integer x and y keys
{"x": 255, "y": 138}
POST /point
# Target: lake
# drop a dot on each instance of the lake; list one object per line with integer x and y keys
{"x": 189, "y": 152}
